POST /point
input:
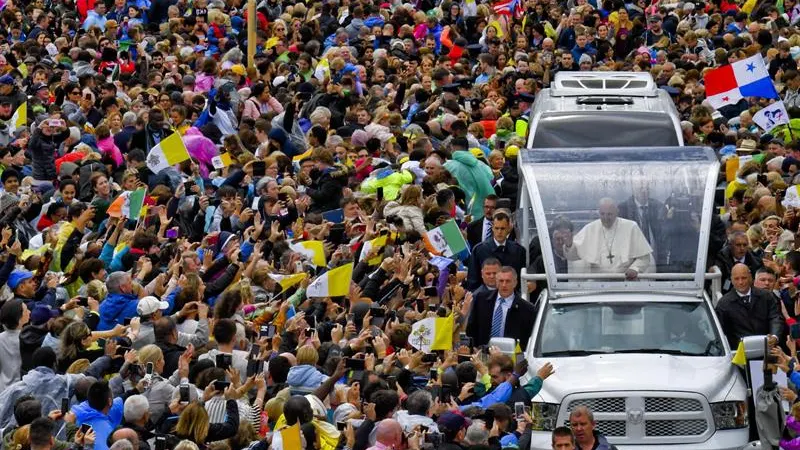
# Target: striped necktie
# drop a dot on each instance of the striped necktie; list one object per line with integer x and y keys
{"x": 497, "y": 317}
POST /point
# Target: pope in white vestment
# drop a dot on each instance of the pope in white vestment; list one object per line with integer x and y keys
{"x": 612, "y": 245}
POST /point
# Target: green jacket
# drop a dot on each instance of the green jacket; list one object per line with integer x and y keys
{"x": 391, "y": 184}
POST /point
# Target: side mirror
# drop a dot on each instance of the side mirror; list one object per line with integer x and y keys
{"x": 754, "y": 347}
{"x": 506, "y": 345}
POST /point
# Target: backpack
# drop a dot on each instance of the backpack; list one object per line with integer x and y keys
{"x": 85, "y": 193}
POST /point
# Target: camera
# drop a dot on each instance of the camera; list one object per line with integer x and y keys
{"x": 435, "y": 439}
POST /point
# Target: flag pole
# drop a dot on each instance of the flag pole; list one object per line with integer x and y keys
{"x": 251, "y": 34}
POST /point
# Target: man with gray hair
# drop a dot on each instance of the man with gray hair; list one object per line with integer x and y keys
{"x": 418, "y": 412}
{"x": 121, "y": 301}
{"x": 582, "y": 424}
{"x": 136, "y": 418}
{"x": 477, "y": 434}
{"x": 123, "y": 137}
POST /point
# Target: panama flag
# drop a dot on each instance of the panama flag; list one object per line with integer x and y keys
{"x": 733, "y": 82}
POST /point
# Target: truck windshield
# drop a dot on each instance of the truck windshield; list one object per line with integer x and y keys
{"x": 609, "y": 128}
{"x": 579, "y": 329}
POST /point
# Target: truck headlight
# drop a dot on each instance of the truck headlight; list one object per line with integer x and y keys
{"x": 545, "y": 416}
{"x": 730, "y": 415}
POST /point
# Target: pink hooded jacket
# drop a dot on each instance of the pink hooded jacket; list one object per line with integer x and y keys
{"x": 109, "y": 148}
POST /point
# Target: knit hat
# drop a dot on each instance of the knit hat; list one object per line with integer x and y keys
{"x": 67, "y": 169}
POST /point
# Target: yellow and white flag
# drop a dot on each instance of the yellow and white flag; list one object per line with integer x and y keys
{"x": 222, "y": 161}
{"x": 379, "y": 242}
{"x": 170, "y": 151}
{"x": 333, "y": 283}
{"x": 19, "y": 119}
{"x": 287, "y": 281}
{"x": 433, "y": 333}
{"x": 322, "y": 70}
{"x": 314, "y": 251}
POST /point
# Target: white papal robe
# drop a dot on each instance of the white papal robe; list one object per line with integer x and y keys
{"x": 612, "y": 250}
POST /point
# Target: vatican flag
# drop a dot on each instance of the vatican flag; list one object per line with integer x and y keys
{"x": 333, "y": 283}
{"x": 433, "y": 333}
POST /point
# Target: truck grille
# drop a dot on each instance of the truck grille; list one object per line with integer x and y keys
{"x": 645, "y": 418}
{"x": 675, "y": 427}
{"x": 671, "y": 404}
{"x": 613, "y": 404}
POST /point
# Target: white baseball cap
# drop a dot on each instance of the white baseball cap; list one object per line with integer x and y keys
{"x": 149, "y": 305}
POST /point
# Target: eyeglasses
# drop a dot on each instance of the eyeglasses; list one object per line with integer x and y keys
{"x": 75, "y": 93}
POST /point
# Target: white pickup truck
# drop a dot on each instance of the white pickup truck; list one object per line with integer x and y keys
{"x": 648, "y": 355}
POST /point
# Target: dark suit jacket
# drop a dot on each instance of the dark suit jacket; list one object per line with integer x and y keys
{"x": 519, "y": 319}
{"x": 656, "y": 214}
{"x": 475, "y": 232}
{"x": 761, "y": 316}
{"x": 725, "y": 262}
{"x": 513, "y": 255}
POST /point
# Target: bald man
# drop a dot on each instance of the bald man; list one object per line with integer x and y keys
{"x": 128, "y": 434}
{"x": 747, "y": 310}
{"x": 388, "y": 434}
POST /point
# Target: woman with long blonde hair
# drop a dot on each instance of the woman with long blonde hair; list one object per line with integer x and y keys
{"x": 193, "y": 422}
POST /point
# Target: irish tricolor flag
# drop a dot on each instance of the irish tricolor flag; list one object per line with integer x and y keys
{"x": 128, "y": 204}
{"x": 333, "y": 283}
{"x": 446, "y": 240}
{"x": 170, "y": 151}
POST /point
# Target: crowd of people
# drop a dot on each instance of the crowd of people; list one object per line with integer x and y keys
{"x": 193, "y": 305}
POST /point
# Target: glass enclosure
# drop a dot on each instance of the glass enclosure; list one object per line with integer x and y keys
{"x": 579, "y": 329}
{"x": 612, "y": 128}
{"x": 621, "y": 211}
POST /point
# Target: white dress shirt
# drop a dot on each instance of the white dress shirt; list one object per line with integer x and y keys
{"x": 505, "y": 305}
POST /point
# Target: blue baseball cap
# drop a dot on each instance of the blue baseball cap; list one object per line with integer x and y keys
{"x": 17, "y": 277}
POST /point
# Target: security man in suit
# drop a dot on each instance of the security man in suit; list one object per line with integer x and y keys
{"x": 747, "y": 310}
{"x": 501, "y": 313}
{"x": 508, "y": 252}
{"x": 480, "y": 230}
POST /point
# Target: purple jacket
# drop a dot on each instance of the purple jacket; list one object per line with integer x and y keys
{"x": 794, "y": 425}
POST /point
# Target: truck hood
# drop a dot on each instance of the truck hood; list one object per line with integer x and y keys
{"x": 713, "y": 377}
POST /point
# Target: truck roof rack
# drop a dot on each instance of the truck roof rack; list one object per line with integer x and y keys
{"x": 607, "y": 84}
